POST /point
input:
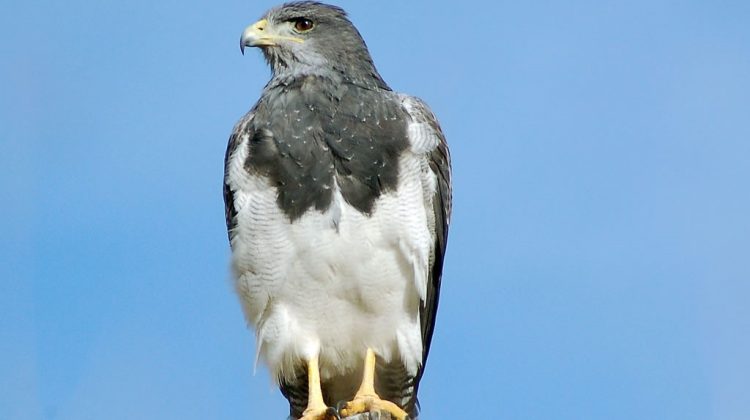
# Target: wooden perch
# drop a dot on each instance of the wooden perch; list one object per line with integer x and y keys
{"x": 374, "y": 415}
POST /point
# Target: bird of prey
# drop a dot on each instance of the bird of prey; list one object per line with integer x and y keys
{"x": 338, "y": 197}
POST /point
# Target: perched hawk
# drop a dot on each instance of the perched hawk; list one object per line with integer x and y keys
{"x": 338, "y": 197}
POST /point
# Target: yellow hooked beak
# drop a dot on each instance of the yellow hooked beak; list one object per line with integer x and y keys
{"x": 262, "y": 34}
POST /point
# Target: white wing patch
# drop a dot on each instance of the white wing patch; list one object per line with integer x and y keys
{"x": 421, "y": 135}
{"x": 423, "y": 140}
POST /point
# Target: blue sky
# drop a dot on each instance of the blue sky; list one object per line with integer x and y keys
{"x": 598, "y": 262}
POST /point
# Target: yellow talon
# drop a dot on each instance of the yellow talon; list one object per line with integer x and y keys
{"x": 316, "y": 407}
{"x": 366, "y": 399}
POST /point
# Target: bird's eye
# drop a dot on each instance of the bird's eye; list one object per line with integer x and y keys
{"x": 303, "y": 24}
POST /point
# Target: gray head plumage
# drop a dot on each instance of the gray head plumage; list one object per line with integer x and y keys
{"x": 311, "y": 38}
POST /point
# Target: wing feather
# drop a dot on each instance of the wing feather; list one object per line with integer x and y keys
{"x": 427, "y": 137}
{"x": 230, "y": 211}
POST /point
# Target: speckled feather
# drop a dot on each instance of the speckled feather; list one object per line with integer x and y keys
{"x": 308, "y": 132}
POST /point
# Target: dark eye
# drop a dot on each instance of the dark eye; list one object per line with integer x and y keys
{"x": 303, "y": 24}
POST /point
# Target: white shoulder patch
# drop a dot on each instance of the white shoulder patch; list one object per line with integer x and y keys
{"x": 422, "y": 136}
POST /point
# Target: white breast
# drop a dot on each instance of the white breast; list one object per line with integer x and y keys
{"x": 336, "y": 282}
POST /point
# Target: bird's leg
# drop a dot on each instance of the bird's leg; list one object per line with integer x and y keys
{"x": 366, "y": 399}
{"x": 316, "y": 407}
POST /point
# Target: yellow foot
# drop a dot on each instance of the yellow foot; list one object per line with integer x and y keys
{"x": 367, "y": 403}
{"x": 318, "y": 413}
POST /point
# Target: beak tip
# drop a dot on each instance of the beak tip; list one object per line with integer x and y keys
{"x": 252, "y": 35}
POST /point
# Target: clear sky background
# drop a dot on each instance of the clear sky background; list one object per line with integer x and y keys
{"x": 599, "y": 257}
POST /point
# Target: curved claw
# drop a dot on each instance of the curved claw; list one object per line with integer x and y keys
{"x": 370, "y": 404}
{"x": 333, "y": 413}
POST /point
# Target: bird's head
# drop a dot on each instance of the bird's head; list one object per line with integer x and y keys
{"x": 308, "y": 37}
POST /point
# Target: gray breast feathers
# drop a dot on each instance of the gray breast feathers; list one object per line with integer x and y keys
{"x": 311, "y": 133}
